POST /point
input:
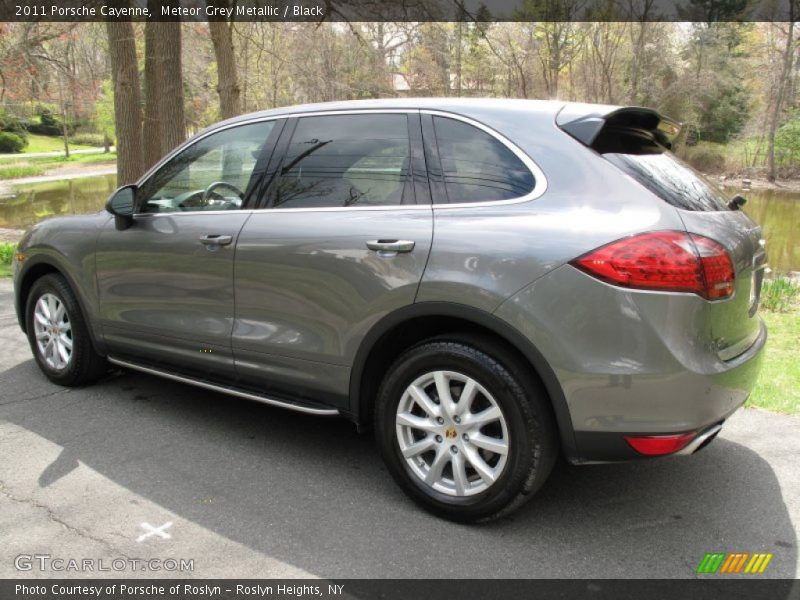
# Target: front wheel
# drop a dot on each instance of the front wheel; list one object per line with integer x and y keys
{"x": 464, "y": 429}
{"x": 58, "y": 334}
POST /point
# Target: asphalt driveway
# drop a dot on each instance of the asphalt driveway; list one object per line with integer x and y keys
{"x": 139, "y": 467}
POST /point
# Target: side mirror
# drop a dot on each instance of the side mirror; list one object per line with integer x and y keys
{"x": 120, "y": 204}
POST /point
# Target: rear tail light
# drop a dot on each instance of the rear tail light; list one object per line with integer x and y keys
{"x": 673, "y": 261}
{"x": 659, "y": 445}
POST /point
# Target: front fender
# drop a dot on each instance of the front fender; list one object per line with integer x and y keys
{"x": 66, "y": 246}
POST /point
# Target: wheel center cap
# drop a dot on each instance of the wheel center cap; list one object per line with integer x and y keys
{"x": 450, "y": 433}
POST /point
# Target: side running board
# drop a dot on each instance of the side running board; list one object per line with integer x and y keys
{"x": 223, "y": 389}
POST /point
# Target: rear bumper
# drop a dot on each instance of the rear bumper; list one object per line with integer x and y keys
{"x": 631, "y": 363}
{"x": 605, "y": 447}
{"x": 715, "y": 398}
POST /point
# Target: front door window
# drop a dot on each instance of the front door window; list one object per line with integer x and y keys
{"x": 213, "y": 174}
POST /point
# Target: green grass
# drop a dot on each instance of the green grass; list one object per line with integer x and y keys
{"x": 778, "y": 385}
{"x": 6, "y": 254}
{"x": 44, "y": 143}
{"x": 16, "y": 171}
{"x": 77, "y": 158}
{"x": 779, "y": 295}
{"x": 40, "y": 165}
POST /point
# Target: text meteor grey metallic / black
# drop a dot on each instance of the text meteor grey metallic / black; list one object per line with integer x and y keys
{"x": 488, "y": 283}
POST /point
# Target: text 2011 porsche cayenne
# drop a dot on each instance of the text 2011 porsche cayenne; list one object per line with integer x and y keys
{"x": 486, "y": 282}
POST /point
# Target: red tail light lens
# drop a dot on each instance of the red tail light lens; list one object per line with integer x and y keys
{"x": 673, "y": 261}
{"x": 658, "y": 445}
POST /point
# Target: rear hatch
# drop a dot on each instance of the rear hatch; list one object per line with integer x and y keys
{"x": 637, "y": 141}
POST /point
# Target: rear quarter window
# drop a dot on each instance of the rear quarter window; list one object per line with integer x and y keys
{"x": 476, "y": 166}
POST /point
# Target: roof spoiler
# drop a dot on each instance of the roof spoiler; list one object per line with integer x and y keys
{"x": 584, "y": 122}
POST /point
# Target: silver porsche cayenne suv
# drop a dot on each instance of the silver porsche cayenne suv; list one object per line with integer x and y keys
{"x": 486, "y": 283}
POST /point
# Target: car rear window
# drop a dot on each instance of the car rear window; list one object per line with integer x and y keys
{"x": 660, "y": 171}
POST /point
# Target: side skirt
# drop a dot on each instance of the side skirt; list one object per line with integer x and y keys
{"x": 231, "y": 391}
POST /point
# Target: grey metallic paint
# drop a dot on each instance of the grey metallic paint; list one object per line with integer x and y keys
{"x": 296, "y": 302}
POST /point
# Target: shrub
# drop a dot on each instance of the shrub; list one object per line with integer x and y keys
{"x": 6, "y": 252}
{"x": 12, "y": 142}
{"x": 705, "y": 158}
{"x": 787, "y": 139}
{"x": 778, "y": 295}
{"x": 48, "y": 124}
{"x": 87, "y": 139}
{"x": 12, "y": 124}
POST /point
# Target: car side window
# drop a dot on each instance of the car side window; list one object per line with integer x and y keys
{"x": 211, "y": 174}
{"x": 476, "y": 166}
{"x": 346, "y": 160}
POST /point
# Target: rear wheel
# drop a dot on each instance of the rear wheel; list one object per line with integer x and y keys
{"x": 464, "y": 430}
{"x": 58, "y": 335}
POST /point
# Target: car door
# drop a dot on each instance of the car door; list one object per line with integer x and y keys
{"x": 165, "y": 284}
{"x": 343, "y": 242}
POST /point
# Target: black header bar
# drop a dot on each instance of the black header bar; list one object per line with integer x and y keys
{"x": 707, "y": 588}
{"x": 398, "y": 10}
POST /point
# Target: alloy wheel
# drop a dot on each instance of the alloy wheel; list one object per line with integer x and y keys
{"x": 452, "y": 433}
{"x": 53, "y": 331}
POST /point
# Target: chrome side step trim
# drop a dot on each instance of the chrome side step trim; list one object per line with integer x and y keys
{"x": 224, "y": 390}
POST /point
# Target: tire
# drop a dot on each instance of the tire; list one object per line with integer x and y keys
{"x": 525, "y": 427}
{"x": 79, "y": 365}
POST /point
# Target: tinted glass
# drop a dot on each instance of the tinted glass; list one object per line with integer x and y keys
{"x": 671, "y": 180}
{"x": 347, "y": 160}
{"x": 212, "y": 174}
{"x": 476, "y": 166}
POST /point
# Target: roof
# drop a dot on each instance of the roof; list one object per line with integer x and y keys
{"x": 469, "y": 107}
{"x": 456, "y": 105}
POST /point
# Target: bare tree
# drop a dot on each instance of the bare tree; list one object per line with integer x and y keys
{"x": 127, "y": 109}
{"x": 783, "y": 84}
{"x": 227, "y": 78}
{"x": 640, "y": 11}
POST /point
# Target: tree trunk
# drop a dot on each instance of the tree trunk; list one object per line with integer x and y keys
{"x": 227, "y": 78}
{"x": 459, "y": 27}
{"x": 64, "y": 131}
{"x": 173, "y": 123}
{"x": 127, "y": 109}
{"x": 786, "y": 72}
{"x": 152, "y": 84}
{"x": 164, "y": 122}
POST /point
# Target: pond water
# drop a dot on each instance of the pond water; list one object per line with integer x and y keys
{"x": 34, "y": 202}
{"x": 777, "y": 212}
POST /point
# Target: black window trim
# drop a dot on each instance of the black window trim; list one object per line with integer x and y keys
{"x": 435, "y": 171}
{"x": 418, "y": 188}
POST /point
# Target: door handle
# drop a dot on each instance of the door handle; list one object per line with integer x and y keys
{"x": 215, "y": 240}
{"x": 391, "y": 245}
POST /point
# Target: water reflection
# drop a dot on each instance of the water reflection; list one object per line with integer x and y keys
{"x": 31, "y": 203}
{"x": 778, "y": 213}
